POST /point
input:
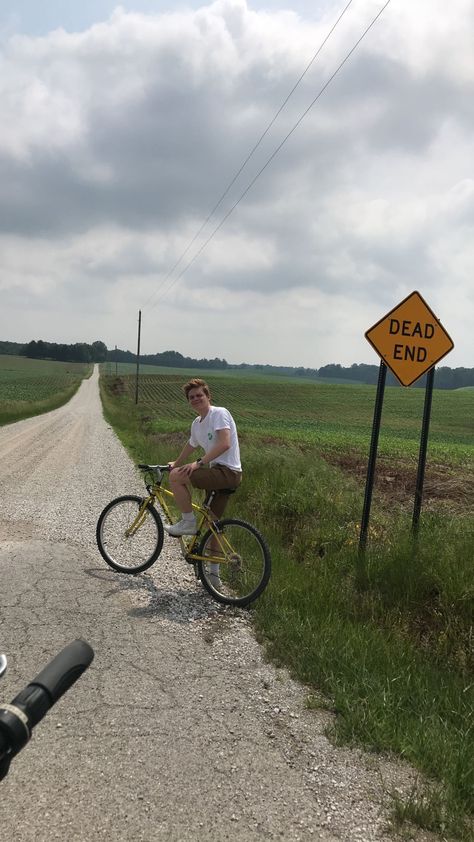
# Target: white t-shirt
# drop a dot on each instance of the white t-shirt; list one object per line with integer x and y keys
{"x": 203, "y": 434}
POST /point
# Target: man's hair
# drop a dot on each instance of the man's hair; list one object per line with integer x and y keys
{"x": 197, "y": 383}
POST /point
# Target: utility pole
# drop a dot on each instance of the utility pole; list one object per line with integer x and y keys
{"x": 138, "y": 353}
{"x": 116, "y": 361}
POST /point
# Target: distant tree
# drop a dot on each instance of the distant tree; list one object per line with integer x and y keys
{"x": 62, "y": 352}
{"x": 14, "y": 348}
{"x": 99, "y": 352}
{"x": 331, "y": 370}
{"x": 453, "y": 378}
{"x": 80, "y": 352}
{"x": 36, "y": 349}
{"x": 27, "y": 350}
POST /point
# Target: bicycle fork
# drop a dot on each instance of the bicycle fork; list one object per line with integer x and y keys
{"x": 139, "y": 520}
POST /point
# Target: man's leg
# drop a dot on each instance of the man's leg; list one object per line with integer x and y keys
{"x": 217, "y": 508}
{"x": 182, "y": 495}
{"x": 214, "y": 479}
{"x": 218, "y": 505}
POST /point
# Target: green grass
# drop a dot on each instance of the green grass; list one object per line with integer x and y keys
{"x": 31, "y": 387}
{"x": 385, "y": 638}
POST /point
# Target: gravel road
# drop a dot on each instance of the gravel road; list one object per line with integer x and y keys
{"x": 179, "y": 730}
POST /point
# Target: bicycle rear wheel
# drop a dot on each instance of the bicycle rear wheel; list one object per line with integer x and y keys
{"x": 129, "y": 542}
{"x": 237, "y": 572}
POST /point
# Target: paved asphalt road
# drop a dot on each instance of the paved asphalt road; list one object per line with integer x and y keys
{"x": 179, "y": 730}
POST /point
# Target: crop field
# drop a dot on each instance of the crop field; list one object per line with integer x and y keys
{"x": 254, "y": 375}
{"x": 332, "y": 417}
{"x": 29, "y": 387}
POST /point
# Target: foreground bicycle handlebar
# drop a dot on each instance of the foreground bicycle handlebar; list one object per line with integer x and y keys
{"x": 28, "y": 708}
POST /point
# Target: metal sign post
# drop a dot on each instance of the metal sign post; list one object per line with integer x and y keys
{"x": 369, "y": 484}
{"x": 420, "y": 477}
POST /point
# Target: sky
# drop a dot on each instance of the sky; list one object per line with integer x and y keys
{"x": 123, "y": 126}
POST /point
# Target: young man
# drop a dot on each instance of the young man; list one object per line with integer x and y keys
{"x": 215, "y": 432}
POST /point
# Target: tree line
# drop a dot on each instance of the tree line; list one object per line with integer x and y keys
{"x": 171, "y": 359}
{"x": 97, "y": 352}
{"x": 445, "y": 377}
{"x": 79, "y": 352}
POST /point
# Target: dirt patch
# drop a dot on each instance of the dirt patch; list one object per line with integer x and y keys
{"x": 117, "y": 386}
{"x": 396, "y": 481}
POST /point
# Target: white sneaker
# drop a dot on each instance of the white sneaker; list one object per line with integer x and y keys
{"x": 214, "y": 580}
{"x": 182, "y": 527}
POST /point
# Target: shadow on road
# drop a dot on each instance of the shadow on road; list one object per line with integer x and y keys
{"x": 180, "y": 605}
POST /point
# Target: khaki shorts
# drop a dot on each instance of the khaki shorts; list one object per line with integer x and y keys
{"x": 213, "y": 479}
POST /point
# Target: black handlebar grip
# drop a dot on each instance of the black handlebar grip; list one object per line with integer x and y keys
{"x": 32, "y": 703}
{"x": 68, "y": 665}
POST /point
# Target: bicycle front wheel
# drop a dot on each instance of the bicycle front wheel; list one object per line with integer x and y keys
{"x": 237, "y": 563}
{"x": 129, "y": 539}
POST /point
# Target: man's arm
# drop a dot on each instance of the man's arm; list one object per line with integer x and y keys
{"x": 222, "y": 444}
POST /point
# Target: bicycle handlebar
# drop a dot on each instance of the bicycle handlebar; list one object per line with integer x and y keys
{"x": 28, "y": 708}
{"x": 163, "y": 468}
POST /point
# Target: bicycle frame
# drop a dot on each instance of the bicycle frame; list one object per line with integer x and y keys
{"x": 157, "y": 493}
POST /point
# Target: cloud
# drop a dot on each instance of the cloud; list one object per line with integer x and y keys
{"x": 119, "y": 139}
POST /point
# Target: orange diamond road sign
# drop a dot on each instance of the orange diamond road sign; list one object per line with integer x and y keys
{"x": 410, "y": 339}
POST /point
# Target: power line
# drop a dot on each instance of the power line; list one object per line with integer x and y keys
{"x": 275, "y": 152}
{"x": 247, "y": 159}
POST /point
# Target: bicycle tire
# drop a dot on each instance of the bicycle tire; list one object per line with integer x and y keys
{"x": 139, "y": 550}
{"x": 241, "y": 580}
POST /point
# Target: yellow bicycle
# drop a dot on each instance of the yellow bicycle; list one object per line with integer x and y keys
{"x": 230, "y": 556}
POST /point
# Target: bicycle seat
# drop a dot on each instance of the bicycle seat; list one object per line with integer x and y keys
{"x": 223, "y": 491}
